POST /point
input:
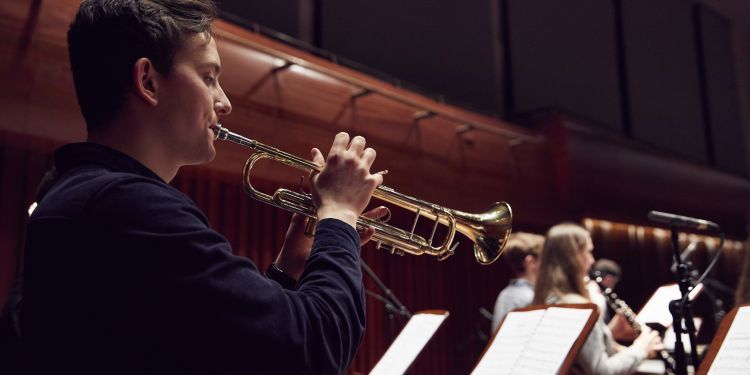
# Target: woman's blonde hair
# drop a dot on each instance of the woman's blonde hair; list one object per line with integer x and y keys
{"x": 561, "y": 270}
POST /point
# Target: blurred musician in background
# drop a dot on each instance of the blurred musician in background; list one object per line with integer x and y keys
{"x": 603, "y": 277}
{"x": 522, "y": 254}
{"x": 604, "y": 274}
{"x": 123, "y": 273}
{"x": 565, "y": 261}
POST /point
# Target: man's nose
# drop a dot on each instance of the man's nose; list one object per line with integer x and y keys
{"x": 223, "y": 106}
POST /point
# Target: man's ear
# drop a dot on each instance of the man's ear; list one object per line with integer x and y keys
{"x": 144, "y": 81}
{"x": 529, "y": 258}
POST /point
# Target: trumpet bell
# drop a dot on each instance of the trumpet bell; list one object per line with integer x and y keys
{"x": 488, "y": 230}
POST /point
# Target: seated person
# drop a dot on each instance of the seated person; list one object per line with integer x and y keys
{"x": 522, "y": 255}
{"x": 603, "y": 277}
{"x": 604, "y": 274}
{"x": 565, "y": 261}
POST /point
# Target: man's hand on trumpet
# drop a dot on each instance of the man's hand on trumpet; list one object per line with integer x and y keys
{"x": 297, "y": 243}
{"x": 344, "y": 186}
{"x": 341, "y": 190}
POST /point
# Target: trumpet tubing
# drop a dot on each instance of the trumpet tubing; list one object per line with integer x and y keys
{"x": 488, "y": 230}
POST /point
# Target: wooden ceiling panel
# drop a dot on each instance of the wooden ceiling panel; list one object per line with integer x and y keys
{"x": 244, "y": 70}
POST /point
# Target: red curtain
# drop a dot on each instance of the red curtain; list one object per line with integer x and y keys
{"x": 458, "y": 284}
{"x": 23, "y": 161}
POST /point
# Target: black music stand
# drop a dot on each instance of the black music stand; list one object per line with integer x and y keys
{"x": 392, "y": 305}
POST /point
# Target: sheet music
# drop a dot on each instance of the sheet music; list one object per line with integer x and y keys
{"x": 552, "y": 341}
{"x": 734, "y": 354}
{"x": 510, "y": 342}
{"x": 656, "y": 310}
{"x": 408, "y": 344}
{"x": 533, "y": 342}
{"x": 651, "y": 366}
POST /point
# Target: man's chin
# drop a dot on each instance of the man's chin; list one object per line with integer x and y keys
{"x": 203, "y": 158}
{"x": 210, "y": 155}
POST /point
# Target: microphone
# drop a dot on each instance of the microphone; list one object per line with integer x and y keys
{"x": 682, "y": 221}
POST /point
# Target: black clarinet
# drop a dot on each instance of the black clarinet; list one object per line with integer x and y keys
{"x": 619, "y": 306}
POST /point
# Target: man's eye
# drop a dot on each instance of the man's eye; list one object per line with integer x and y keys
{"x": 210, "y": 80}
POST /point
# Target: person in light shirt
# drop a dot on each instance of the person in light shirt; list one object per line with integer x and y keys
{"x": 522, "y": 256}
{"x": 565, "y": 261}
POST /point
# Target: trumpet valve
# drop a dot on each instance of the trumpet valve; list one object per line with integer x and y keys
{"x": 389, "y": 248}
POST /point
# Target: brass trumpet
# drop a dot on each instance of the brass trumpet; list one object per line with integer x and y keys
{"x": 488, "y": 230}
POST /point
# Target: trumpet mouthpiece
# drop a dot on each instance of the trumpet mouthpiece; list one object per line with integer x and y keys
{"x": 216, "y": 128}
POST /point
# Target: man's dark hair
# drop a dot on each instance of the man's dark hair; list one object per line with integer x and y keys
{"x": 519, "y": 246}
{"x": 108, "y": 36}
{"x": 604, "y": 267}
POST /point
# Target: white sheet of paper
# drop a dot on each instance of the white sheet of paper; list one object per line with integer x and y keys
{"x": 734, "y": 355}
{"x": 533, "y": 342}
{"x": 656, "y": 309}
{"x": 408, "y": 344}
{"x": 509, "y": 343}
{"x": 652, "y": 366}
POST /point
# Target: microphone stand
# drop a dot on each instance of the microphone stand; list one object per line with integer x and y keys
{"x": 681, "y": 310}
{"x": 710, "y": 288}
{"x": 390, "y": 312}
{"x": 392, "y": 305}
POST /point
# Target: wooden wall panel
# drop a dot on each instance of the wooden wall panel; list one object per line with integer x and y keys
{"x": 607, "y": 176}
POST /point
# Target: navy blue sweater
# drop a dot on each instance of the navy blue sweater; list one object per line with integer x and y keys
{"x": 124, "y": 275}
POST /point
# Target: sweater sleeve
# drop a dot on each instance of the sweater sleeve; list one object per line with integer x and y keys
{"x": 594, "y": 359}
{"x": 219, "y": 306}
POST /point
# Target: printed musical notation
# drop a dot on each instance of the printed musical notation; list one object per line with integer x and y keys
{"x": 734, "y": 354}
{"x": 533, "y": 342}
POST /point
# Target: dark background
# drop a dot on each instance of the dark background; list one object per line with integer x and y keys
{"x": 660, "y": 72}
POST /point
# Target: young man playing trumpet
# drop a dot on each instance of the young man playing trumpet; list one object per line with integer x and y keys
{"x": 123, "y": 273}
